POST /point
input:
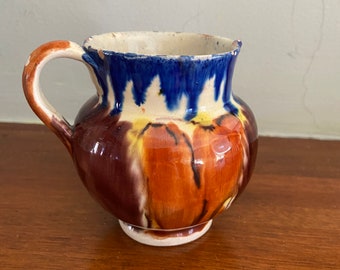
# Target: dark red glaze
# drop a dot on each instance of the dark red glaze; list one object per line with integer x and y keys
{"x": 99, "y": 152}
{"x": 158, "y": 176}
{"x": 251, "y": 133}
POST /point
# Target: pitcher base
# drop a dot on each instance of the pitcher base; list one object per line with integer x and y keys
{"x": 165, "y": 238}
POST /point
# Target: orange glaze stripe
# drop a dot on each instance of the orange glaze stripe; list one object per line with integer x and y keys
{"x": 188, "y": 181}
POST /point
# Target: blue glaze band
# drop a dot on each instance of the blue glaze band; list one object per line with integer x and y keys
{"x": 179, "y": 76}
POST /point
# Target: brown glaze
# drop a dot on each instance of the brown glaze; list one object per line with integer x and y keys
{"x": 157, "y": 176}
{"x": 251, "y": 133}
{"x": 60, "y": 127}
{"x": 99, "y": 152}
{"x": 287, "y": 219}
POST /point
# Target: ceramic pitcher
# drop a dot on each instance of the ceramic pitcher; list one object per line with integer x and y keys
{"x": 164, "y": 145}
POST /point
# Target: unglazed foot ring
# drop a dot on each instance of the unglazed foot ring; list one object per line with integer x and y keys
{"x": 165, "y": 238}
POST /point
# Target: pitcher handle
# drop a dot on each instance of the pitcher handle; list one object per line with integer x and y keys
{"x": 35, "y": 97}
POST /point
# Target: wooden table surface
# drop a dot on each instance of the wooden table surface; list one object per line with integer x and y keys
{"x": 287, "y": 218}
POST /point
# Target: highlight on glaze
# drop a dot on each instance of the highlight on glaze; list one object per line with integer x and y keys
{"x": 155, "y": 175}
{"x": 164, "y": 145}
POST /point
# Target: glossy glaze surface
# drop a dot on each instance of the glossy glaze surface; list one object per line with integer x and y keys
{"x": 169, "y": 166}
{"x": 157, "y": 176}
{"x": 164, "y": 144}
{"x": 180, "y": 77}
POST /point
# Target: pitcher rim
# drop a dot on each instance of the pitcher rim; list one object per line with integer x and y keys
{"x": 90, "y": 44}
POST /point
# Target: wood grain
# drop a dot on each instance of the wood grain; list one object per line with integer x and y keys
{"x": 287, "y": 218}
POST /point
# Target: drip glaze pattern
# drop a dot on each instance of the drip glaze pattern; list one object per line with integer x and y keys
{"x": 165, "y": 145}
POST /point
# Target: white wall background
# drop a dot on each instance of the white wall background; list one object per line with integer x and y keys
{"x": 288, "y": 70}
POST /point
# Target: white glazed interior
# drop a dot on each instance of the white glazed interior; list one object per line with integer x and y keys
{"x": 161, "y": 43}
